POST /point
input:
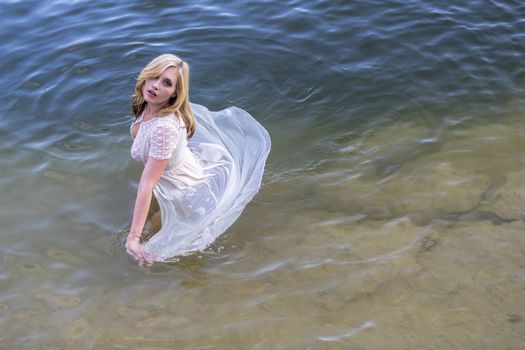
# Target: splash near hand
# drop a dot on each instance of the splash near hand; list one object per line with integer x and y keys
{"x": 136, "y": 250}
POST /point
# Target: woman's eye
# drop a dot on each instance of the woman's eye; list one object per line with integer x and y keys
{"x": 167, "y": 82}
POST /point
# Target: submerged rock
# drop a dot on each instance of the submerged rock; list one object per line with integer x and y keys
{"x": 485, "y": 148}
{"x": 342, "y": 239}
{"x": 406, "y": 169}
{"x": 422, "y": 188}
{"x": 437, "y": 187}
{"x": 508, "y": 201}
{"x": 55, "y": 301}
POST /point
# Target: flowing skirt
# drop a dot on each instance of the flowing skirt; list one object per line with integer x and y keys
{"x": 204, "y": 196}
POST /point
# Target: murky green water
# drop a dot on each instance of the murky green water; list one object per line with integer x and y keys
{"x": 391, "y": 213}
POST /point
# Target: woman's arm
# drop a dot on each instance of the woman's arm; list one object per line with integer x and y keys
{"x": 150, "y": 176}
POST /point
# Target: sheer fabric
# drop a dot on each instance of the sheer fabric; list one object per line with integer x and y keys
{"x": 208, "y": 180}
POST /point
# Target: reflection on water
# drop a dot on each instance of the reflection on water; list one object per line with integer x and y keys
{"x": 391, "y": 214}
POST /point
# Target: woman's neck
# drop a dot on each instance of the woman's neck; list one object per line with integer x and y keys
{"x": 150, "y": 112}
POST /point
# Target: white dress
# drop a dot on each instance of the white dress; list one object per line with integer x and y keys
{"x": 209, "y": 179}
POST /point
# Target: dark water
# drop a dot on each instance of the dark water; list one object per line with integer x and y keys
{"x": 391, "y": 210}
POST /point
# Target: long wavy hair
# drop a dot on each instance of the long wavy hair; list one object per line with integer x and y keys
{"x": 180, "y": 103}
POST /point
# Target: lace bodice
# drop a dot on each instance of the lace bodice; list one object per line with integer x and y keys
{"x": 160, "y": 138}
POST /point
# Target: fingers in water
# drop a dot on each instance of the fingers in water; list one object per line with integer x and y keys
{"x": 138, "y": 253}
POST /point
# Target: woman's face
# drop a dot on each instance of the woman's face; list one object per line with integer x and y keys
{"x": 158, "y": 90}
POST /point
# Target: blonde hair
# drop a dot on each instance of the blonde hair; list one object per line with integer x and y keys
{"x": 178, "y": 105}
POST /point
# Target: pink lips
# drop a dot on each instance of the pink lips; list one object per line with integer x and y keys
{"x": 152, "y": 93}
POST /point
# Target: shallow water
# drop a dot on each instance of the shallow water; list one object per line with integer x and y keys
{"x": 390, "y": 214}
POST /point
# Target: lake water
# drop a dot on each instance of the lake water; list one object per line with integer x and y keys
{"x": 391, "y": 211}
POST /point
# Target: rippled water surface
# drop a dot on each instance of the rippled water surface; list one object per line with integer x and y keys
{"x": 391, "y": 211}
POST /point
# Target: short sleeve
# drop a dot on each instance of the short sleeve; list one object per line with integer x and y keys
{"x": 162, "y": 141}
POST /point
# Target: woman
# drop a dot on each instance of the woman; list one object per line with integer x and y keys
{"x": 202, "y": 167}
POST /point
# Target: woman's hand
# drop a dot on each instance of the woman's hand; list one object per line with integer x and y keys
{"x": 136, "y": 250}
